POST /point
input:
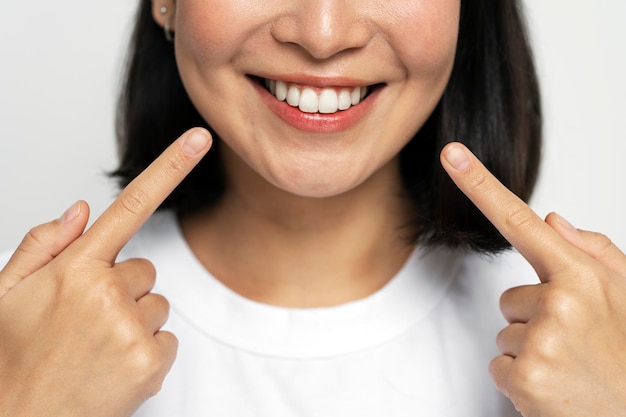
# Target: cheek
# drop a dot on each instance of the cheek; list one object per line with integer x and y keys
{"x": 426, "y": 36}
{"x": 197, "y": 32}
{"x": 212, "y": 29}
{"x": 209, "y": 34}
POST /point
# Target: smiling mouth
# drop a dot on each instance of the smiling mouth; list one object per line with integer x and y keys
{"x": 309, "y": 99}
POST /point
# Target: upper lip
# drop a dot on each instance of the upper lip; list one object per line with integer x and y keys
{"x": 317, "y": 81}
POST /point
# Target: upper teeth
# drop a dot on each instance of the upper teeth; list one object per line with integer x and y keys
{"x": 329, "y": 100}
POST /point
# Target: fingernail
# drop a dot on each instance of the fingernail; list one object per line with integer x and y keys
{"x": 457, "y": 157}
{"x": 71, "y": 213}
{"x": 195, "y": 142}
{"x": 564, "y": 223}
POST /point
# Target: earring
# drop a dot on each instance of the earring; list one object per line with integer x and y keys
{"x": 166, "y": 28}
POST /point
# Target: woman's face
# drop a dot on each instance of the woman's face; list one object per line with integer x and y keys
{"x": 315, "y": 96}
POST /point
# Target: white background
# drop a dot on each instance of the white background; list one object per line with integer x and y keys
{"x": 61, "y": 63}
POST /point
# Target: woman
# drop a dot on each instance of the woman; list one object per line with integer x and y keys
{"x": 294, "y": 255}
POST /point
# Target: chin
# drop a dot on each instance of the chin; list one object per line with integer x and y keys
{"x": 319, "y": 186}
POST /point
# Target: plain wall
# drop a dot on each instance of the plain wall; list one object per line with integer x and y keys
{"x": 61, "y": 63}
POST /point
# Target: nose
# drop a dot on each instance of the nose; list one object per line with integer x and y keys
{"x": 323, "y": 28}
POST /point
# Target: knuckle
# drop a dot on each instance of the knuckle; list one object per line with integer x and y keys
{"x": 158, "y": 310}
{"x": 148, "y": 267}
{"x": 497, "y": 372}
{"x": 144, "y": 267}
{"x": 170, "y": 343}
{"x": 501, "y": 340}
{"x": 519, "y": 217}
{"x": 145, "y": 359}
{"x": 108, "y": 294}
{"x": 542, "y": 345}
{"x": 162, "y": 302}
{"x": 478, "y": 182}
{"x": 175, "y": 164}
{"x": 33, "y": 236}
{"x": 561, "y": 304}
{"x": 525, "y": 378}
{"x": 137, "y": 274}
{"x": 34, "y": 240}
{"x": 602, "y": 242}
{"x": 134, "y": 200}
{"x": 506, "y": 298}
{"x": 154, "y": 387}
{"x": 147, "y": 362}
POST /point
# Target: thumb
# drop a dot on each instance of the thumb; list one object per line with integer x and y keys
{"x": 594, "y": 244}
{"x": 42, "y": 244}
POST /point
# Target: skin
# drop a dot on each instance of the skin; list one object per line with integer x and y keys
{"x": 561, "y": 355}
{"x": 318, "y": 216}
{"x": 563, "y": 352}
{"x": 89, "y": 342}
{"x": 408, "y": 46}
{"x": 73, "y": 314}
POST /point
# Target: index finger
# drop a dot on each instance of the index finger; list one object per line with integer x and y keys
{"x": 541, "y": 245}
{"x": 136, "y": 203}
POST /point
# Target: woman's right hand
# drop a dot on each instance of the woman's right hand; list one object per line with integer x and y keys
{"x": 79, "y": 333}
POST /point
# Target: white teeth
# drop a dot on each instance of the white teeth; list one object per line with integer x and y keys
{"x": 307, "y": 100}
{"x": 355, "y": 96}
{"x": 293, "y": 96}
{"x": 344, "y": 101}
{"x": 281, "y": 91}
{"x": 328, "y": 101}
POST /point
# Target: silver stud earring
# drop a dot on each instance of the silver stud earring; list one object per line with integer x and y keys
{"x": 169, "y": 35}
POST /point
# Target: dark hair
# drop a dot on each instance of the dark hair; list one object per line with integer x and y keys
{"x": 491, "y": 104}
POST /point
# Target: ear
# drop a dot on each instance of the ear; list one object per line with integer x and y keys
{"x": 163, "y": 13}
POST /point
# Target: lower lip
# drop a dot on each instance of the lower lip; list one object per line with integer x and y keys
{"x": 317, "y": 122}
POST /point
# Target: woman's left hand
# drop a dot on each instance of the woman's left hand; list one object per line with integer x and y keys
{"x": 564, "y": 351}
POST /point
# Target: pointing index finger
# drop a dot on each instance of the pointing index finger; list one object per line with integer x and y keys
{"x": 546, "y": 251}
{"x": 136, "y": 203}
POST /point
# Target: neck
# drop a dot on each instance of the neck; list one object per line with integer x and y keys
{"x": 278, "y": 248}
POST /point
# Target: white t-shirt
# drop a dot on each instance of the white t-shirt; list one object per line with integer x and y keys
{"x": 420, "y": 346}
